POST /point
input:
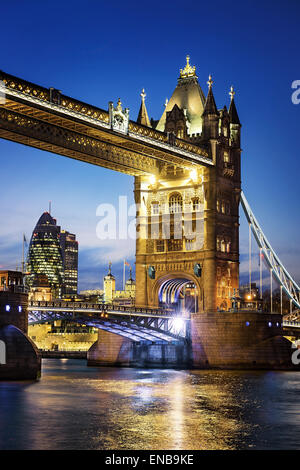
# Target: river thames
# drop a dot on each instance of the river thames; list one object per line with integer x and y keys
{"x": 76, "y": 407}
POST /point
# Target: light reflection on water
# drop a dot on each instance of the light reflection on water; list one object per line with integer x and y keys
{"x": 76, "y": 407}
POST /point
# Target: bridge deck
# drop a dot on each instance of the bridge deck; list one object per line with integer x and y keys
{"x": 78, "y": 130}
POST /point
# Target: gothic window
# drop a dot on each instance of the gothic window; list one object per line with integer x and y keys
{"x": 160, "y": 246}
{"x": 218, "y": 205}
{"x": 155, "y": 208}
{"x": 196, "y": 204}
{"x": 223, "y": 207}
{"x": 223, "y": 246}
{"x": 180, "y": 133}
{"x": 189, "y": 244}
{"x": 174, "y": 245}
{"x": 226, "y": 157}
{"x": 175, "y": 203}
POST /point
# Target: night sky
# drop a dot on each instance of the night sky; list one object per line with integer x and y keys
{"x": 97, "y": 52}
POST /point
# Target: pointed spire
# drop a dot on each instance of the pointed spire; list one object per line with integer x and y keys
{"x": 233, "y": 115}
{"x": 210, "y": 104}
{"x": 143, "y": 115}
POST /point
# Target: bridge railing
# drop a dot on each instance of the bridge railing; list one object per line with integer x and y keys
{"x": 100, "y": 307}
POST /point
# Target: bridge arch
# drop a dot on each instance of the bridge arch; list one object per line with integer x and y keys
{"x": 169, "y": 290}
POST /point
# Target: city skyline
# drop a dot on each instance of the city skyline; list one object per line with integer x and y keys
{"x": 99, "y": 75}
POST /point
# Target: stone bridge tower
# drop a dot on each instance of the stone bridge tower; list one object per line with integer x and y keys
{"x": 188, "y": 220}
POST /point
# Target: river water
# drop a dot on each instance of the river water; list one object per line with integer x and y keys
{"x": 76, "y": 407}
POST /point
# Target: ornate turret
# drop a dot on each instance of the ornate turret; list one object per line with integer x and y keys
{"x": 210, "y": 114}
{"x": 235, "y": 124}
{"x": 234, "y": 118}
{"x": 190, "y": 99}
{"x": 143, "y": 115}
{"x": 130, "y": 286}
{"x": 109, "y": 286}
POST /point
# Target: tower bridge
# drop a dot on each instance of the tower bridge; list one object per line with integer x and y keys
{"x": 137, "y": 324}
{"x": 187, "y": 186}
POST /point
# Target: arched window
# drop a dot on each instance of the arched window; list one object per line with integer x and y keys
{"x": 196, "y": 204}
{"x": 226, "y": 157}
{"x": 155, "y": 208}
{"x": 175, "y": 203}
{"x": 180, "y": 133}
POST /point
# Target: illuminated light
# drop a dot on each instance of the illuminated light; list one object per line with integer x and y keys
{"x": 248, "y": 297}
{"x": 19, "y": 308}
{"x": 194, "y": 175}
{"x": 247, "y": 323}
{"x": 270, "y": 324}
{"x": 152, "y": 179}
{"x": 178, "y": 324}
{"x": 7, "y": 308}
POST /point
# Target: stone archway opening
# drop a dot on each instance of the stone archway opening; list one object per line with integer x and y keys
{"x": 180, "y": 294}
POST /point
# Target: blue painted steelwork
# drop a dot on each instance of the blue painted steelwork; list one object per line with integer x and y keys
{"x": 279, "y": 272}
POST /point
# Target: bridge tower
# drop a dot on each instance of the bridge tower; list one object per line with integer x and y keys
{"x": 188, "y": 219}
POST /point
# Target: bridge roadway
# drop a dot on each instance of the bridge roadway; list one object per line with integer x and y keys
{"x": 132, "y": 322}
{"x": 46, "y": 119}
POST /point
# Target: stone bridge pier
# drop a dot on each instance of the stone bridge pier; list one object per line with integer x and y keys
{"x": 114, "y": 350}
{"x": 19, "y": 357}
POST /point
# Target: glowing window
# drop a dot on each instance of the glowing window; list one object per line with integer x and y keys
{"x": 226, "y": 157}
{"x": 175, "y": 203}
{"x": 196, "y": 204}
{"x": 7, "y": 308}
{"x": 155, "y": 208}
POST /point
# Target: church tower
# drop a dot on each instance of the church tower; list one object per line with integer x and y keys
{"x": 109, "y": 286}
{"x": 188, "y": 221}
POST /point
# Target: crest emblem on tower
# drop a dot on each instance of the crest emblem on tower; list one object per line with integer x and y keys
{"x": 118, "y": 117}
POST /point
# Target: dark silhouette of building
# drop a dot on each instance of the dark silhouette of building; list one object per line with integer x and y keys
{"x": 11, "y": 281}
{"x": 69, "y": 249}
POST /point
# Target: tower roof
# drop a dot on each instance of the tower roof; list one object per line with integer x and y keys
{"x": 46, "y": 219}
{"x": 233, "y": 115}
{"x": 109, "y": 275}
{"x": 143, "y": 115}
{"x": 210, "y": 104}
{"x": 187, "y": 95}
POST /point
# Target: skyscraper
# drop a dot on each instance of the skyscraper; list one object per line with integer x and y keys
{"x": 45, "y": 254}
{"x": 69, "y": 248}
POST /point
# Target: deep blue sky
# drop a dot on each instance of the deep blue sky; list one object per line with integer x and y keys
{"x": 97, "y": 52}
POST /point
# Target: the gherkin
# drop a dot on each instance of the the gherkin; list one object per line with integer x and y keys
{"x": 45, "y": 255}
